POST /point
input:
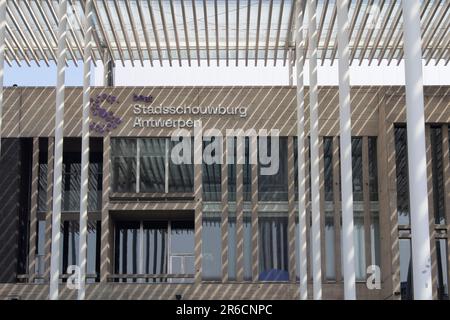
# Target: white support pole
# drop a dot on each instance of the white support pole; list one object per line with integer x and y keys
{"x": 314, "y": 125}
{"x": 416, "y": 151}
{"x": 85, "y": 149}
{"x": 348, "y": 248}
{"x": 300, "y": 58}
{"x": 59, "y": 134}
{"x": 2, "y": 60}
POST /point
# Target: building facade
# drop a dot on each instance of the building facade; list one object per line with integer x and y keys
{"x": 158, "y": 229}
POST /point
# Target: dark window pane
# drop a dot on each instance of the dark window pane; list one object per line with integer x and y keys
{"x": 127, "y": 246}
{"x": 211, "y": 175}
{"x": 373, "y": 169}
{"x": 123, "y": 156}
{"x": 357, "y": 169}
{"x": 441, "y": 256}
{"x": 273, "y": 249}
{"x": 155, "y": 245}
{"x": 181, "y": 175}
{"x": 328, "y": 167}
{"x": 401, "y": 156}
{"x": 406, "y": 279}
{"x": 437, "y": 175}
{"x": 152, "y": 165}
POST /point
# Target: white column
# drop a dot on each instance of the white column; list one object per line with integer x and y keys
{"x": 2, "y": 59}
{"x": 348, "y": 248}
{"x": 418, "y": 193}
{"x": 314, "y": 125}
{"x": 59, "y": 133}
{"x": 299, "y": 13}
{"x": 85, "y": 148}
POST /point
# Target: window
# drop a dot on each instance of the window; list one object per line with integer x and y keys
{"x": 330, "y": 270}
{"x": 71, "y": 175}
{"x": 152, "y": 155}
{"x": 232, "y": 248}
{"x": 437, "y": 174}
{"x": 441, "y": 256}
{"x": 273, "y": 249}
{"x": 401, "y": 154}
{"x": 328, "y": 168}
{"x": 70, "y": 248}
{"x": 124, "y": 163}
{"x": 406, "y": 279}
{"x": 147, "y": 165}
{"x": 247, "y": 170}
{"x": 308, "y": 156}
{"x": 211, "y": 172}
{"x": 359, "y": 245}
{"x": 357, "y": 172}
{"x": 181, "y": 175}
{"x": 211, "y": 248}
{"x": 273, "y": 187}
{"x": 154, "y": 249}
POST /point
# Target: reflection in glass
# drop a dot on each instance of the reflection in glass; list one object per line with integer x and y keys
{"x": 328, "y": 168}
{"x": 127, "y": 247}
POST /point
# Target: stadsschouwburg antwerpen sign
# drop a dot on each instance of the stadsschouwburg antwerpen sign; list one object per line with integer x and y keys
{"x": 148, "y": 115}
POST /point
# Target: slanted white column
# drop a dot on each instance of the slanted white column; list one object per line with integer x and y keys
{"x": 299, "y": 14}
{"x": 59, "y": 134}
{"x": 418, "y": 193}
{"x": 348, "y": 248}
{"x": 314, "y": 129}
{"x": 2, "y": 59}
{"x": 85, "y": 148}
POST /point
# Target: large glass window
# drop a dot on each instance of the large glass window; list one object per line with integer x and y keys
{"x": 273, "y": 249}
{"x": 437, "y": 175}
{"x": 146, "y": 165}
{"x": 154, "y": 249}
{"x": 273, "y": 187}
{"x": 211, "y": 248}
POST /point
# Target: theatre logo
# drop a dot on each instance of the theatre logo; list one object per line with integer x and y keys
{"x": 147, "y": 115}
{"x": 103, "y": 121}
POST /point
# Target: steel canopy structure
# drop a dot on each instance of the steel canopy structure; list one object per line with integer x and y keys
{"x": 169, "y": 32}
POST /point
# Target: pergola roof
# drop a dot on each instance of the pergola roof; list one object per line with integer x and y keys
{"x": 218, "y": 31}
